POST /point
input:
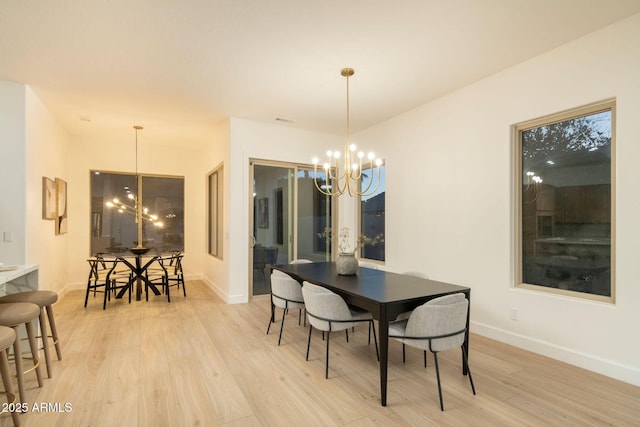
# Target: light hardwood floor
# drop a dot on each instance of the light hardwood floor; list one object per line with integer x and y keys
{"x": 200, "y": 362}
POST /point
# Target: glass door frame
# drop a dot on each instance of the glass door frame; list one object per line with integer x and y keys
{"x": 293, "y": 237}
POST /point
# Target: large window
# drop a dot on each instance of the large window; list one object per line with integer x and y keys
{"x": 564, "y": 202}
{"x": 372, "y": 229}
{"x": 114, "y": 228}
{"x": 215, "y": 181}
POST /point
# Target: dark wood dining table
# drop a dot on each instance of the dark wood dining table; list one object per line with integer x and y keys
{"x": 138, "y": 275}
{"x": 383, "y": 294}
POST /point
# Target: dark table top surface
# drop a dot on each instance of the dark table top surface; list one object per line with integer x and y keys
{"x": 377, "y": 285}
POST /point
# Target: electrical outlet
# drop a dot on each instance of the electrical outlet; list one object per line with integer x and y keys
{"x": 8, "y": 236}
{"x": 514, "y": 314}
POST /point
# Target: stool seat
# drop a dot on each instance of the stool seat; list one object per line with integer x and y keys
{"x": 44, "y": 300}
{"x": 7, "y": 337}
{"x": 17, "y": 313}
{"x": 14, "y": 314}
{"x": 41, "y": 298}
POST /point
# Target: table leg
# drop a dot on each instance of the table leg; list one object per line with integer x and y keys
{"x": 383, "y": 333}
{"x": 465, "y": 366}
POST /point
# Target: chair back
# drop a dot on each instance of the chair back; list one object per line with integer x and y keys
{"x": 323, "y": 306}
{"x": 440, "y": 316}
{"x": 418, "y": 274}
{"x": 367, "y": 264}
{"x": 284, "y": 288}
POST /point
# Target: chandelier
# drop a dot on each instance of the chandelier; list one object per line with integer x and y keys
{"x": 135, "y": 208}
{"x": 343, "y": 171}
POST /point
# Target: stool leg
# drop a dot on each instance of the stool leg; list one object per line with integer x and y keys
{"x": 8, "y": 386}
{"x": 17, "y": 354}
{"x": 45, "y": 340}
{"x": 34, "y": 351}
{"x": 54, "y": 331}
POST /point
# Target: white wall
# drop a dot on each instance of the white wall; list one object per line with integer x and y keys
{"x": 12, "y": 172}
{"x": 46, "y": 155}
{"x": 449, "y": 199}
{"x": 117, "y": 154}
{"x": 259, "y": 141}
{"x": 215, "y": 270}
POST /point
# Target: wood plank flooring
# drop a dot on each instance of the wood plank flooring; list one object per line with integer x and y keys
{"x": 200, "y": 362}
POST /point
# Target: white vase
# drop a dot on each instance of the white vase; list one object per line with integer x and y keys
{"x": 347, "y": 264}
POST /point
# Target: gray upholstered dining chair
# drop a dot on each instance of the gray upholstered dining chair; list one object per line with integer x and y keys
{"x": 405, "y": 315}
{"x": 367, "y": 264}
{"x": 437, "y": 325}
{"x": 328, "y": 312}
{"x": 286, "y": 293}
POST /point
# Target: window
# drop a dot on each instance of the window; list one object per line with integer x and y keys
{"x": 564, "y": 204}
{"x": 113, "y": 225}
{"x": 372, "y": 229}
{"x": 216, "y": 192}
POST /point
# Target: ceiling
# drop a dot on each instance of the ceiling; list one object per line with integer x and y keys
{"x": 179, "y": 67}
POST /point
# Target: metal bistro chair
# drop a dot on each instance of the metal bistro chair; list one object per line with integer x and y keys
{"x": 167, "y": 270}
{"x": 108, "y": 274}
{"x": 437, "y": 325}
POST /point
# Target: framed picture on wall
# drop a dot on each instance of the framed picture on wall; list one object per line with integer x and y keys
{"x": 263, "y": 213}
{"x": 48, "y": 198}
{"x": 61, "y": 206}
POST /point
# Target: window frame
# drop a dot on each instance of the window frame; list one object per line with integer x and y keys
{"x": 215, "y": 212}
{"x": 359, "y": 217}
{"x": 517, "y": 130}
{"x": 139, "y": 178}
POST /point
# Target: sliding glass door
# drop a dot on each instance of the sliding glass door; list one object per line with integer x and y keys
{"x": 288, "y": 218}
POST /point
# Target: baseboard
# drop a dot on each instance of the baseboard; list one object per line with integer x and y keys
{"x": 628, "y": 374}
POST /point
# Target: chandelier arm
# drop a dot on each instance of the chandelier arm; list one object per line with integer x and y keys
{"x": 373, "y": 174}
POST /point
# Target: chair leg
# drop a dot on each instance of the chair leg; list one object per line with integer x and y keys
{"x": 107, "y": 289}
{"x": 309, "y": 342}
{"x": 54, "y": 331}
{"x": 346, "y": 331}
{"x": 403, "y": 354}
{"x": 284, "y": 313}
{"x": 17, "y": 352}
{"x": 31, "y": 336}
{"x": 435, "y": 357}
{"x": 326, "y": 365}
{"x": 8, "y": 387}
{"x": 466, "y": 361}
{"x": 86, "y": 297}
{"x": 425, "y": 358}
{"x": 45, "y": 340}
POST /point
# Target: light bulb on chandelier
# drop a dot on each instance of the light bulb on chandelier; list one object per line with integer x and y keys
{"x": 347, "y": 177}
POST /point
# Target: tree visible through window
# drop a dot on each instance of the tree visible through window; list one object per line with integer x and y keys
{"x": 565, "y": 201}
{"x": 372, "y": 226}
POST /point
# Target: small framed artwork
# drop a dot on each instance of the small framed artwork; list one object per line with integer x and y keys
{"x": 48, "y": 198}
{"x": 263, "y": 213}
{"x": 61, "y": 206}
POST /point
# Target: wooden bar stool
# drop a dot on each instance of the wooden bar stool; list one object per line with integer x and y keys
{"x": 14, "y": 315}
{"x": 43, "y": 299}
{"x": 7, "y": 338}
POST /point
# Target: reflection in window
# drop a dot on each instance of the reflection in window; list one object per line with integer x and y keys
{"x": 565, "y": 204}
{"x": 314, "y": 217}
{"x": 372, "y": 208}
{"x": 114, "y": 229}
